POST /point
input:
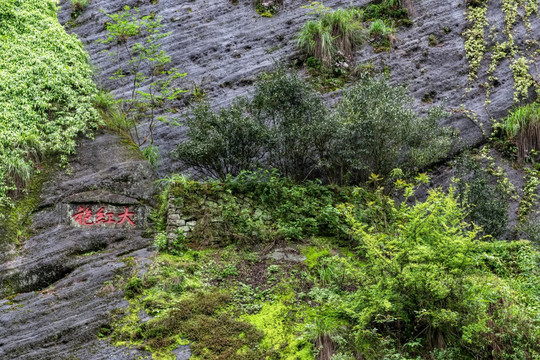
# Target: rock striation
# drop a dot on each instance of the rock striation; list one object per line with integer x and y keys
{"x": 59, "y": 286}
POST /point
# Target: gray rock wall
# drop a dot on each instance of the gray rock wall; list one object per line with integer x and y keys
{"x": 63, "y": 282}
{"x": 224, "y": 47}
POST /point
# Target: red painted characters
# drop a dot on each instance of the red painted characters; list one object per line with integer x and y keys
{"x": 84, "y": 217}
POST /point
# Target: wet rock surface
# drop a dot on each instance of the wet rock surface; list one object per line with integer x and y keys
{"x": 223, "y": 48}
{"x": 60, "y": 286}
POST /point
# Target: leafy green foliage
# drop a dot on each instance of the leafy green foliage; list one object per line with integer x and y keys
{"x": 223, "y": 143}
{"x": 429, "y": 283}
{"x": 380, "y": 132}
{"x": 267, "y": 8}
{"x": 296, "y": 121}
{"x": 286, "y": 126}
{"x": 152, "y": 83}
{"x": 253, "y": 207}
{"x": 77, "y": 7}
{"x": 46, "y": 89}
{"x": 531, "y": 229}
{"x": 382, "y": 33}
{"x": 485, "y": 199}
{"x": 410, "y": 280}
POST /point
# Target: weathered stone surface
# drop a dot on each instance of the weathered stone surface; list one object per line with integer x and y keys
{"x": 224, "y": 47}
{"x": 59, "y": 274}
{"x": 287, "y": 254}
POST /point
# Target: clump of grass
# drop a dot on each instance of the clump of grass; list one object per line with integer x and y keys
{"x": 336, "y": 34}
{"x": 382, "y": 33}
{"x": 77, "y": 7}
{"x": 523, "y": 127}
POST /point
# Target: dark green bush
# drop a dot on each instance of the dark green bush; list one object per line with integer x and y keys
{"x": 287, "y": 127}
{"x": 428, "y": 283}
{"x": 379, "y": 132}
{"x": 297, "y": 123}
{"x": 531, "y": 230}
{"x": 223, "y": 143}
{"x": 486, "y": 201}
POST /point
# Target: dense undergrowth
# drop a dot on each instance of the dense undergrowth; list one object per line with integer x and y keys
{"x": 46, "y": 91}
{"x": 368, "y": 277}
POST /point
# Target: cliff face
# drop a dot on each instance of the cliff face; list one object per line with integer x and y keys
{"x": 64, "y": 275}
{"x": 224, "y": 47}
{"x": 59, "y": 285}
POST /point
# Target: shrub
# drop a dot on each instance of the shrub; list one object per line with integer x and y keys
{"x": 267, "y": 8}
{"x": 46, "y": 91}
{"x": 531, "y": 229}
{"x": 297, "y": 123}
{"x": 333, "y": 37}
{"x": 77, "y": 7}
{"x": 430, "y": 284}
{"x": 380, "y": 132}
{"x": 286, "y": 126}
{"x": 223, "y": 143}
{"x": 486, "y": 201}
{"x": 523, "y": 127}
{"x": 398, "y": 10}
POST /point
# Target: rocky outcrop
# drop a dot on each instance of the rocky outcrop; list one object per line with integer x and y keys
{"x": 60, "y": 285}
{"x": 224, "y": 47}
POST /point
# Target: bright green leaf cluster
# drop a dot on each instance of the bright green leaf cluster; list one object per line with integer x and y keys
{"x": 46, "y": 90}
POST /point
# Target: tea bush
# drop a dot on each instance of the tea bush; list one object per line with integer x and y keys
{"x": 296, "y": 121}
{"x": 46, "y": 91}
{"x": 223, "y": 143}
{"x": 286, "y": 126}
{"x": 379, "y": 132}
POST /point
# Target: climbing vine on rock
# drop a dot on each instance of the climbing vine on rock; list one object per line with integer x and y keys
{"x": 475, "y": 44}
{"x": 501, "y": 45}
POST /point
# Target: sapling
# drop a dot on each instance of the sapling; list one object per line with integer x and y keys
{"x": 152, "y": 84}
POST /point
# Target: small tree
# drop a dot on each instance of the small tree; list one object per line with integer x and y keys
{"x": 136, "y": 40}
{"x": 296, "y": 119}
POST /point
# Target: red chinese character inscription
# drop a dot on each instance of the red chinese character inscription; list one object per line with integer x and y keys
{"x": 84, "y": 216}
{"x": 126, "y": 216}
